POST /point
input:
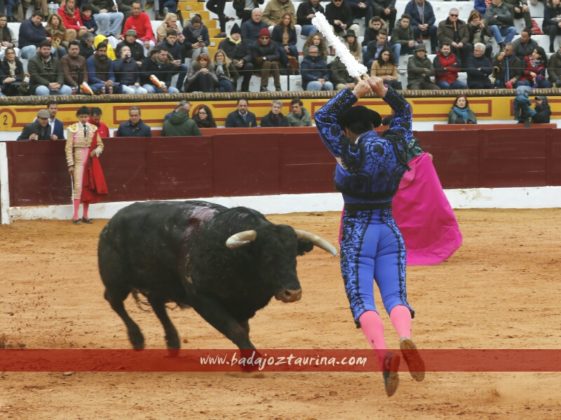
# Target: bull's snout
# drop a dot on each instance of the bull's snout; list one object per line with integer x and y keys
{"x": 289, "y": 295}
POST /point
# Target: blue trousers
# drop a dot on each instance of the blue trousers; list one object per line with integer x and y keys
{"x": 372, "y": 249}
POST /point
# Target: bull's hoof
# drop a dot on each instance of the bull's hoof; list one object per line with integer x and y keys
{"x": 137, "y": 340}
{"x": 173, "y": 352}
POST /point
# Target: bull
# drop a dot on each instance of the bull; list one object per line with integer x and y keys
{"x": 225, "y": 263}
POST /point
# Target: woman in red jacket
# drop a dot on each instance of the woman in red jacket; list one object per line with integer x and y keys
{"x": 70, "y": 16}
{"x": 534, "y": 71}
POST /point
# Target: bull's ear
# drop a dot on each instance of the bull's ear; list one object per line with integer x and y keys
{"x": 304, "y": 246}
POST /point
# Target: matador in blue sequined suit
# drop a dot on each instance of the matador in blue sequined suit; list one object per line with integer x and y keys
{"x": 368, "y": 171}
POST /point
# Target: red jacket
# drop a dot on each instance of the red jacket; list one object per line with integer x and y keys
{"x": 535, "y": 67}
{"x": 102, "y": 129}
{"x": 142, "y": 25}
{"x": 450, "y": 75}
{"x": 71, "y": 22}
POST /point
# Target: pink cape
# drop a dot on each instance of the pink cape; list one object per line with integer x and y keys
{"x": 424, "y": 215}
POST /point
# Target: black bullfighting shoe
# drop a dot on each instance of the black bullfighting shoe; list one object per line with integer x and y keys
{"x": 390, "y": 374}
{"x": 412, "y": 358}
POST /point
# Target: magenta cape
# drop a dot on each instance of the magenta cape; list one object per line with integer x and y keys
{"x": 424, "y": 215}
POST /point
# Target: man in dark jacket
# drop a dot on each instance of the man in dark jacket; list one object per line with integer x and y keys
{"x": 508, "y": 68}
{"x": 252, "y": 27}
{"x": 554, "y": 68}
{"x": 179, "y": 124}
{"x": 340, "y": 76}
{"x": 340, "y": 16}
{"x": 74, "y": 67}
{"x": 237, "y": 50}
{"x": 500, "y": 20}
{"x": 31, "y": 33}
{"x": 420, "y": 70}
{"x": 127, "y": 73}
{"x": 38, "y": 129}
{"x": 137, "y": 50}
{"x": 241, "y": 117}
{"x": 479, "y": 68}
{"x": 305, "y": 13}
{"x": 171, "y": 45}
{"x": 157, "y": 71}
{"x": 46, "y": 77}
{"x": 455, "y": 32}
{"x": 274, "y": 118}
{"x": 314, "y": 71}
{"x": 524, "y": 45}
{"x": 86, "y": 45}
{"x": 422, "y": 23}
{"x": 403, "y": 37}
{"x": 266, "y": 58}
{"x": 386, "y": 10}
{"x": 101, "y": 76}
{"x": 134, "y": 127}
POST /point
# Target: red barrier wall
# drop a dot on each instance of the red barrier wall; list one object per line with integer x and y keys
{"x": 289, "y": 162}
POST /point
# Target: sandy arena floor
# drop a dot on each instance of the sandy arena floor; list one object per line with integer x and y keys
{"x": 501, "y": 290}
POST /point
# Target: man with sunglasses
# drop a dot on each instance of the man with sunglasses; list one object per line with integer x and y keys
{"x": 455, "y": 32}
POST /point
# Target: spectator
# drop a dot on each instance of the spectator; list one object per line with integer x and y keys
{"x": 266, "y": 59}
{"x": 140, "y": 22}
{"x": 446, "y": 68}
{"x": 136, "y": 49}
{"x": 385, "y": 68}
{"x": 552, "y": 21}
{"x": 500, "y": 21}
{"x": 127, "y": 73}
{"x": 480, "y": 6}
{"x": 520, "y": 10}
{"x": 202, "y": 115}
{"x": 175, "y": 49}
{"x": 284, "y": 35}
{"x": 134, "y": 127}
{"x": 12, "y": 75}
{"x": 31, "y": 34}
{"x": 6, "y": 36}
{"x": 317, "y": 40}
{"x": 523, "y": 113}
{"x": 182, "y": 105}
{"x": 225, "y": 71}
{"x": 375, "y": 25}
{"x": 86, "y": 13}
{"x": 38, "y": 129}
{"x": 351, "y": 41}
{"x": 403, "y": 37}
{"x": 252, "y": 27}
{"x": 554, "y": 68}
{"x": 157, "y": 71}
{"x": 479, "y": 69}
{"x": 361, "y": 9}
{"x": 86, "y": 45}
{"x": 110, "y": 50}
{"x": 339, "y": 15}
{"x": 237, "y": 50}
{"x": 95, "y": 119}
{"x": 46, "y": 74}
{"x": 461, "y": 112}
{"x": 179, "y": 125}
{"x": 340, "y": 76}
{"x": 101, "y": 76}
{"x": 274, "y": 118}
{"x": 196, "y": 37}
{"x": 386, "y": 10}
{"x": 57, "y": 127}
{"x": 57, "y": 32}
{"x": 422, "y": 21}
{"x": 71, "y": 18}
{"x": 374, "y": 48}
{"x": 201, "y": 77}
{"x": 315, "y": 75}
{"x": 107, "y": 17}
{"x": 508, "y": 68}
{"x": 241, "y": 117}
{"x": 74, "y": 67}
{"x": 478, "y": 33}
{"x": 276, "y": 9}
{"x": 217, "y": 7}
{"x": 305, "y": 13}
{"x": 543, "y": 111}
{"x": 534, "y": 71}
{"x": 524, "y": 45}
{"x": 420, "y": 70}
{"x": 298, "y": 115}
{"x": 170, "y": 22}
{"x": 245, "y": 8}
{"x": 454, "y": 31}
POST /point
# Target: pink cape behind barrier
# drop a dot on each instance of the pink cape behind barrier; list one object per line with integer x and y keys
{"x": 424, "y": 215}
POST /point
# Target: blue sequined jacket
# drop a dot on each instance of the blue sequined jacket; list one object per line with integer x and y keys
{"x": 368, "y": 172}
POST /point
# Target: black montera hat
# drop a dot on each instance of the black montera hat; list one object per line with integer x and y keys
{"x": 360, "y": 113}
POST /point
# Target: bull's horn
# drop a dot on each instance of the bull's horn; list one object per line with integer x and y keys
{"x": 241, "y": 239}
{"x": 316, "y": 240}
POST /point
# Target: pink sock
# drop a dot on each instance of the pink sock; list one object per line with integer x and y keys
{"x": 86, "y": 208}
{"x": 373, "y": 329}
{"x": 76, "y": 204}
{"x": 401, "y": 320}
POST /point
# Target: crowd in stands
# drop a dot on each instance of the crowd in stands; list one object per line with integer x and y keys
{"x": 101, "y": 46}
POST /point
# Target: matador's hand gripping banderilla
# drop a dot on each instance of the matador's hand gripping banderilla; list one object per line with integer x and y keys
{"x": 355, "y": 69}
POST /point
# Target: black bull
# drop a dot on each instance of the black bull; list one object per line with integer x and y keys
{"x": 224, "y": 263}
